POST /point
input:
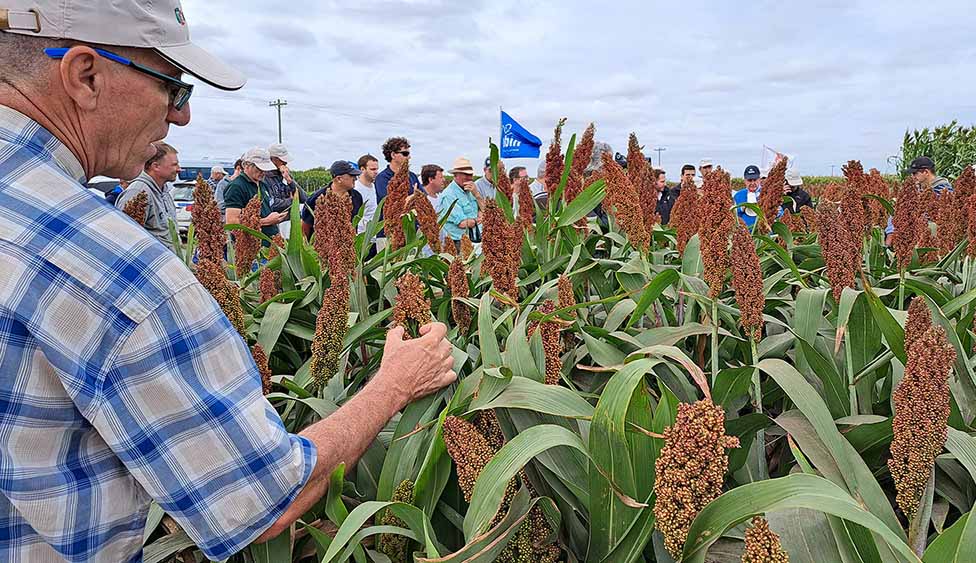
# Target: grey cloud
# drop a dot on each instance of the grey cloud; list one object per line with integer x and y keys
{"x": 827, "y": 80}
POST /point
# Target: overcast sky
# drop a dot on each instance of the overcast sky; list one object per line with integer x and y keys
{"x": 825, "y": 81}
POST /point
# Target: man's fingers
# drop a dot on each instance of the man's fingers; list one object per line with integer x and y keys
{"x": 433, "y": 331}
{"x": 395, "y": 334}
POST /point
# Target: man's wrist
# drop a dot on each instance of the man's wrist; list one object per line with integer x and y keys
{"x": 383, "y": 389}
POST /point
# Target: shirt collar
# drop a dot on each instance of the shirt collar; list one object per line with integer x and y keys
{"x": 19, "y": 129}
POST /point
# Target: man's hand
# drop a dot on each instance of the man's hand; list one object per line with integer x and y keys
{"x": 286, "y": 175}
{"x": 410, "y": 370}
{"x": 416, "y": 368}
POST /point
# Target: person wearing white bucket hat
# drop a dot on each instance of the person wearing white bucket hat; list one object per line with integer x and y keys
{"x": 124, "y": 381}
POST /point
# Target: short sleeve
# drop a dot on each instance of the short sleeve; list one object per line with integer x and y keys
{"x": 182, "y": 408}
{"x": 234, "y": 197}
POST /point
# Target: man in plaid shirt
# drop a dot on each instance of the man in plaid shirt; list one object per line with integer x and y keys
{"x": 121, "y": 381}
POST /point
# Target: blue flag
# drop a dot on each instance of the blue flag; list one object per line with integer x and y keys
{"x": 517, "y": 142}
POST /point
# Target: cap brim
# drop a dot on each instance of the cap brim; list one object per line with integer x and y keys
{"x": 266, "y": 166}
{"x": 752, "y": 177}
{"x": 203, "y": 65}
{"x": 462, "y": 171}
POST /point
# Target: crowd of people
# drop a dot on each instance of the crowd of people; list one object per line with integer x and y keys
{"x": 460, "y": 202}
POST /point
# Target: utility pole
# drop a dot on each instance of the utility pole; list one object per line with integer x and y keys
{"x": 659, "y": 151}
{"x": 832, "y": 166}
{"x": 279, "y": 103}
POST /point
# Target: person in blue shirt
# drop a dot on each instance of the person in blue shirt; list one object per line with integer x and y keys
{"x": 748, "y": 194}
{"x": 464, "y": 196}
{"x": 113, "y": 195}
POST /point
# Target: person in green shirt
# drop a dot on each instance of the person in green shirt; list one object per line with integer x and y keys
{"x": 242, "y": 190}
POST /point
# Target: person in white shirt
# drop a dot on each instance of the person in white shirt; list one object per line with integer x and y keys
{"x": 432, "y": 178}
{"x": 538, "y": 187}
{"x": 370, "y": 167}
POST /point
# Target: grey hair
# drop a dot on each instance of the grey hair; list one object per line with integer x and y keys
{"x": 22, "y": 59}
{"x": 23, "y": 62}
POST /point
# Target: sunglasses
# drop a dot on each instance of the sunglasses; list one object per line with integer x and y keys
{"x": 179, "y": 91}
{"x": 404, "y": 153}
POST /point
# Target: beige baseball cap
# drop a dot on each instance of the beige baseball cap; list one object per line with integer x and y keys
{"x": 259, "y": 157}
{"x": 148, "y": 24}
{"x": 280, "y": 151}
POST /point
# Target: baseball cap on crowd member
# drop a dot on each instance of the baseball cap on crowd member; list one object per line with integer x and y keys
{"x": 705, "y": 163}
{"x": 343, "y": 167}
{"x": 280, "y": 152}
{"x": 751, "y": 173}
{"x": 218, "y": 170}
{"x": 541, "y": 171}
{"x": 159, "y": 25}
{"x": 259, "y": 157}
{"x": 921, "y": 163}
{"x": 793, "y": 178}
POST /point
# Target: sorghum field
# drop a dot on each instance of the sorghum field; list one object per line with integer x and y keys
{"x": 696, "y": 392}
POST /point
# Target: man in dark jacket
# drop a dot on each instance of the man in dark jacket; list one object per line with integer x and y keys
{"x": 793, "y": 188}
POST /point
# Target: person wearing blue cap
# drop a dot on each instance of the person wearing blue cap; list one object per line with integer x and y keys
{"x": 344, "y": 174}
{"x": 484, "y": 185}
{"x": 748, "y": 194}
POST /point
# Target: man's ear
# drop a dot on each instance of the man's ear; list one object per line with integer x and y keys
{"x": 83, "y": 76}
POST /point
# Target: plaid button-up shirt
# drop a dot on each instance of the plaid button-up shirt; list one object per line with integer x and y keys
{"x": 121, "y": 381}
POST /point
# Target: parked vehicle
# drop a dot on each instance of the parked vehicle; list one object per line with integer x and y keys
{"x": 182, "y": 192}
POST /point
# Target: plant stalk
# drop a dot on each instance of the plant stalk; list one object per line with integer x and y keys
{"x": 919, "y": 527}
{"x": 901, "y": 290}
{"x": 714, "y": 340}
{"x": 849, "y": 363}
{"x": 756, "y": 385}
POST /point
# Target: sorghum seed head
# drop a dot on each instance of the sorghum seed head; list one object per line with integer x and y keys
{"x": 907, "y": 222}
{"x": 467, "y": 247}
{"x": 427, "y": 218}
{"x": 395, "y": 207}
{"x": 334, "y": 233}
{"x": 762, "y": 545}
{"x": 685, "y": 217}
{"x": 625, "y": 203}
{"x": 207, "y": 223}
{"x": 771, "y": 195}
{"x": 270, "y": 284}
{"x": 246, "y": 245}
{"x": 261, "y": 359}
{"x": 717, "y": 221}
{"x": 412, "y": 309}
{"x": 136, "y": 208}
{"x": 331, "y": 327}
{"x": 921, "y": 404}
{"x": 747, "y": 281}
{"x": 470, "y": 451}
{"x": 501, "y": 244}
{"x": 554, "y": 160}
{"x": 919, "y": 321}
{"x": 841, "y": 252}
{"x": 395, "y": 546}
{"x": 690, "y": 470}
{"x": 225, "y": 292}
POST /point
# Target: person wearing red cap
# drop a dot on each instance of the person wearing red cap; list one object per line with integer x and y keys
{"x": 123, "y": 381}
